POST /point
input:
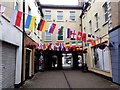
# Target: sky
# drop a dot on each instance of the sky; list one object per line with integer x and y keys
{"x": 59, "y": 2}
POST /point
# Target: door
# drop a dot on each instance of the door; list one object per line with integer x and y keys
{"x": 27, "y": 63}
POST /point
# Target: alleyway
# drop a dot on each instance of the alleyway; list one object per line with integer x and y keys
{"x": 68, "y": 79}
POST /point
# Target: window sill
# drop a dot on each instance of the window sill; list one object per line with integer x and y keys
{"x": 59, "y": 40}
{"x": 48, "y": 40}
{"x": 105, "y": 23}
{"x": 72, "y": 21}
{"x": 59, "y": 21}
{"x": 97, "y": 30}
{"x": 49, "y": 20}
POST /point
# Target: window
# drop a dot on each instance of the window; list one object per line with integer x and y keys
{"x": 47, "y": 36}
{"x": 90, "y": 25}
{"x": 105, "y": 11}
{"x": 59, "y": 15}
{"x": 60, "y": 33}
{"x": 29, "y": 9}
{"x": 47, "y": 15}
{"x": 72, "y": 15}
{"x": 96, "y": 18}
{"x": 84, "y": 29}
{"x": 17, "y": 5}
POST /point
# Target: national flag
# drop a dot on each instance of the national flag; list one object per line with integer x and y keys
{"x": 84, "y": 37}
{"x": 46, "y": 45}
{"x": 60, "y": 31}
{"x": 73, "y": 44}
{"x": 16, "y": 18}
{"x": 42, "y": 25}
{"x": 89, "y": 38}
{"x": 68, "y": 33}
{"x": 73, "y": 35}
{"x": 2, "y": 9}
{"x": 52, "y": 28}
{"x": 79, "y": 36}
{"x": 30, "y": 22}
{"x": 80, "y": 43}
{"x": 50, "y": 45}
{"x": 57, "y": 44}
{"x": 60, "y": 46}
{"x": 93, "y": 40}
{"x": 87, "y": 43}
{"x": 67, "y": 45}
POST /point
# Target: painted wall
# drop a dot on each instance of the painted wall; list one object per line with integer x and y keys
{"x": 115, "y": 54}
{"x": 13, "y": 36}
{"x": 73, "y": 25}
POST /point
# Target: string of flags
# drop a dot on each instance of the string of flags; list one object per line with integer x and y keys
{"x": 82, "y": 38}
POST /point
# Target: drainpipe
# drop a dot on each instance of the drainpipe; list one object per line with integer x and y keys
{"x": 23, "y": 35}
{"x": 84, "y": 64}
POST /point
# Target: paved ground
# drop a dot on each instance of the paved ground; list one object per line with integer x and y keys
{"x": 67, "y": 79}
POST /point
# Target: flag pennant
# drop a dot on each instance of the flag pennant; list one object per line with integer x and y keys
{"x": 60, "y": 31}
{"x": 89, "y": 38}
{"x": 84, "y": 37}
{"x": 80, "y": 43}
{"x": 52, "y": 28}
{"x": 79, "y": 36}
{"x": 73, "y": 35}
{"x": 68, "y": 33}
{"x": 87, "y": 43}
{"x": 2, "y": 9}
{"x": 73, "y": 44}
{"x": 16, "y": 18}
{"x": 57, "y": 44}
{"x": 30, "y": 22}
{"x": 60, "y": 46}
{"x": 39, "y": 25}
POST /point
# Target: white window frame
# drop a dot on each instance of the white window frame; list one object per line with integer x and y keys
{"x": 96, "y": 20}
{"x": 47, "y": 34}
{"x": 60, "y": 15}
{"x": 90, "y": 25}
{"x": 72, "y": 16}
{"x": 47, "y": 14}
{"x": 105, "y": 8}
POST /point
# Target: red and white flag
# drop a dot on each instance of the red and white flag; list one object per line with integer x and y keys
{"x": 2, "y": 9}
{"x": 16, "y": 18}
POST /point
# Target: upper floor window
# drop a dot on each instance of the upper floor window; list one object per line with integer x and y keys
{"x": 96, "y": 18}
{"x": 90, "y": 25}
{"x": 72, "y": 15}
{"x": 17, "y": 5}
{"x": 105, "y": 11}
{"x": 47, "y": 15}
{"x": 60, "y": 15}
{"x": 29, "y": 9}
{"x": 47, "y": 36}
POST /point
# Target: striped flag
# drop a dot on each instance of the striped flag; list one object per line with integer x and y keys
{"x": 30, "y": 22}
{"x": 2, "y": 9}
{"x": 16, "y": 18}
{"x": 67, "y": 45}
{"x": 89, "y": 38}
{"x": 73, "y": 44}
{"x": 42, "y": 25}
{"x": 52, "y": 28}
{"x": 68, "y": 33}
{"x": 80, "y": 43}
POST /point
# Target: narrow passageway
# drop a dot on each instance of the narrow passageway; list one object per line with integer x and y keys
{"x": 67, "y": 79}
